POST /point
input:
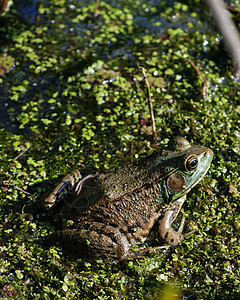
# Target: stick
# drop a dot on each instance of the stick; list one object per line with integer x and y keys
{"x": 202, "y": 77}
{"x": 96, "y": 7}
{"x": 3, "y": 4}
{"x": 228, "y": 30}
{"x": 21, "y": 153}
{"x": 149, "y": 102}
{"x": 7, "y": 183}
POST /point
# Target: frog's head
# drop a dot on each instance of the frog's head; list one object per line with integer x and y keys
{"x": 187, "y": 164}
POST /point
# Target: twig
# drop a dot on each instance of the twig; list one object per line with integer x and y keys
{"x": 228, "y": 30}
{"x": 194, "y": 67}
{"x": 96, "y": 7}
{"x": 7, "y": 183}
{"x": 21, "y": 190}
{"x": 3, "y": 4}
{"x": 202, "y": 77}
{"x": 232, "y": 9}
{"x": 149, "y": 102}
{"x": 21, "y": 153}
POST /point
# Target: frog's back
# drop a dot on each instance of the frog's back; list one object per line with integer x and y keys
{"x": 129, "y": 185}
{"x": 139, "y": 201}
{"x": 134, "y": 214}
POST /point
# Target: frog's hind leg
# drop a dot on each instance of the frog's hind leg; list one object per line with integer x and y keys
{"x": 92, "y": 240}
{"x": 61, "y": 190}
{"x": 164, "y": 231}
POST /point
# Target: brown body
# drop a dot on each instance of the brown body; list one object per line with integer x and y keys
{"x": 136, "y": 203}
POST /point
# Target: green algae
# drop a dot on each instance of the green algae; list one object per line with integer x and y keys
{"x": 73, "y": 96}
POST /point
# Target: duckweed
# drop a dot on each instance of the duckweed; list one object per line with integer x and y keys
{"x": 72, "y": 96}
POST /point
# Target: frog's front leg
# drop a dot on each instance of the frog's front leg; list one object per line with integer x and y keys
{"x": 164, "y": 231}
{"x": 93, "y": 240}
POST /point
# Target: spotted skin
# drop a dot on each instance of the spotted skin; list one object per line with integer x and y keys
{"x": 132, "y": 205}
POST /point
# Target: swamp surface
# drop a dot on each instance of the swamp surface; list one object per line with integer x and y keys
{"x": 72, "y": 96}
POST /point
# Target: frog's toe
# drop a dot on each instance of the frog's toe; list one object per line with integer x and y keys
{"x": 164, "y": 231}
{"x": 172, "y": 237}
{"x": 79, "y": 185}
{"x": 189, "y": 233}
{"x": 180, "y": 229}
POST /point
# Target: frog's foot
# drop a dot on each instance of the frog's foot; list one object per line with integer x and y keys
{"x": 142, "y": 252}
{"x": 166, "y": 234}
{"x": 164, "y": 231}
{"x": 61, "y": 190}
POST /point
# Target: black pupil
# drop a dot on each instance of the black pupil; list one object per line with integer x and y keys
{"x": 193, "y": 163}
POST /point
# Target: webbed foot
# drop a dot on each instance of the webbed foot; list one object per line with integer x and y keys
{"x": 164, "y": 231}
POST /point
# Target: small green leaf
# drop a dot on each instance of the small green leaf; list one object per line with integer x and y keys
{"x": 19, "y": 274}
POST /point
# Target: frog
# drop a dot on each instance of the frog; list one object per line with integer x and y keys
{"x": 135, "y": 204}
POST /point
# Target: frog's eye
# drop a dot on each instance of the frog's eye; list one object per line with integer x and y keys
{"x": 191, "y": 163}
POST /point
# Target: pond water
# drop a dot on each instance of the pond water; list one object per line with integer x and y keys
{"x": 72, "y": 96}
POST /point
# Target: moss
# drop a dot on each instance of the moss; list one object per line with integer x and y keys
{"x": 73, "y": 96}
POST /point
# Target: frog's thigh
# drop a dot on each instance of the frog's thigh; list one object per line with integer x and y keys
{"x": 164, "y": 231}
{"x": 99, "y": 241}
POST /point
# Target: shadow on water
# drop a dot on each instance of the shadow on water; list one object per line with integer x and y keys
{"x": 23, "y": 86}
{"x": 25, "y": 12}
{"x": 39, "y": 87}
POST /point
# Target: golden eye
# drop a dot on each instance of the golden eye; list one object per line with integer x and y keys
{"x": 191, "y": 163}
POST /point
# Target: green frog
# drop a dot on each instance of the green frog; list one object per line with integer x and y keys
{"x": 135, "y": 204}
